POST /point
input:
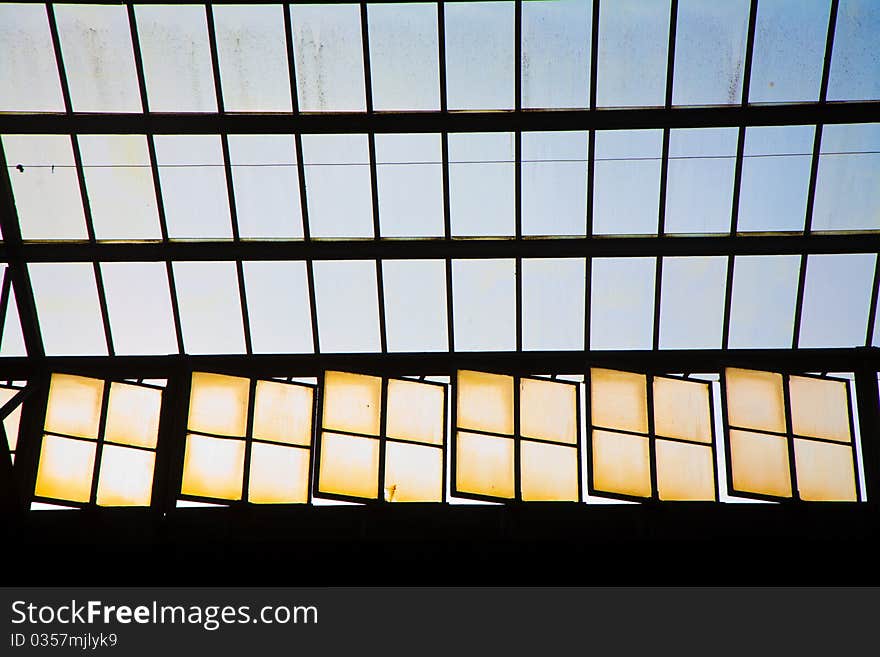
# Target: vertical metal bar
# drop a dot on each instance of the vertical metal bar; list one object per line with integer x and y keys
{"x": 383, "y": 441}
{"x": 517, "y": 173}
{"x": 868, "y": 407}
{"x": 789, "y": 431}
{"x": 4, "y": 301}
{"x": 172, "y": 425}
{"x": 517, "y": 438}
{"x": 872, "y": 310}
{"x": 591, "y": 174}
{"x": 99, "y": 447}
{"x": 652, "y": 436}
{"x": 444, "y": 145}
{"x": 30, "y": 439}
{"x": 249, "y": 440}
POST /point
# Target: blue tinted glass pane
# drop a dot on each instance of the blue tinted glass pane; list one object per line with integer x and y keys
{"x": 484, "y": 305}
{"x": 622, "y": 303}
{"x": 481, "y": 184}
{"x": 28, "y": 73}
{"x": 855, "y": 63}
{"x": 553, "y": 304}
{"x": 415, "y": 304}
{"x": 210, "y": 307}
{"x": 348, "y": 306}
{"x": 278, "y": 307}
{"x": 692, "y": 302}
{"x": 763, "y": 302}
{"x": 554, "y": 183}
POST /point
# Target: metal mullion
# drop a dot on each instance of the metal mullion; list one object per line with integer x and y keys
{"x": 517, "y": 439}
{"x": 383, "y": 430}
{"x": 725, "y": 428}
{"x": 768, "y": 432}
{"x": 4, "y": 300}
{"x": 868, "y": 409}
{"x": 652, "y": 437}
{"x": 683, "y": 441}
{"x": 543, "y": 441}
{"x": 99, "y": 440}
{"x": 591, "y": 173}
{"x": 248, "y": 440}
{"x": 829, "y": 50}
{"x": 517, "y": 188}
{"x": 792, "y": 465}
{"x": 799, "y": 302}
{"x": 444, "y": 156}
{"x": 139, "y": 448}
{"x": 171, "y": 446}
{"x": 714, "y": 441}
{"x": 827, "y": 441}
{"x": 872, "y": 309}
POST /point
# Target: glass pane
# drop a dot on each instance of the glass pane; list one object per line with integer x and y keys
{"x": 266, "y": 184}
{"x": 404, "y": 56}
{"x": 133, "y": 415}
{"x": 177, "y": 58}
{"x": 855, "y": 64}
{"x": 819, "y": 408}
{"x": 553, "y": 301}
{"x": 12, "y": 339}
{"x": 278, "y": 307}
{"x": 213, "y": 467}
{"x": 347, "y": 300}
{"x": 684, "y": 472}
{"x": 763, "y": 302}
{"x": 699, "y": 184}
{"x": 193, "y": 182}
{"x": 484, "y": 305}
{"x": 548, "y": 410}
{"x": 481, "y": 184}
{"x": 710, "y": 44}
{"x": 65, "y": 470}
{"x": 848, "y": 181}
{"x": 46, "y": 187}
{"x": 252, "y": 56}
{"x": 626, "y": 197}
{"x": 692, "y": 302}
{"x": 622, "y": 303}
{"x": 409, "y": 176}
{"x": 621, "y": 464}
{"x": 415, "y": 304}
{"x": 352, "y": 402}
{"x": 479, "y": 55}
{"x": 556, "y": 40}
{"x": 760, "y": 463}
{"x": 349, "y": 466}
{"x": 755, "y": 400}
{"x": 125, "y": 477}
{"x": 554, "y": 183}
{"x": 549, "y": 472}
{"x": 67, "y": 308}
{"x": 416, "y": 411}
{"x": 74, "y": 406}
{"x": 338, "y": 181}
{"x": 119, "y": 182}
{"x": 824, "y": 472}
{"x": 681, "y": 409}
{"x": 218, "y": 404}
{"x": 789, "y": 50}
{"x": 633, "y": 44}
{"x": 28, "y": 73}
{"x": 619, "y": 400}
{"x": 837, "y": 294}
{"x": 139, "y": 307}
{"x": 484, "y": 465}
{"x": 283, "y": 413}
{"x": 775, "y": 178}
{"x": 98, "y": 58}
{"x": 485, "y": 402}
{"x": 413, "y": 473}
{"x": 11, "y": 424}
{"x": 210, "y": 307}
{"x": 278, "y": 475}
{"x": 329, "y": 57}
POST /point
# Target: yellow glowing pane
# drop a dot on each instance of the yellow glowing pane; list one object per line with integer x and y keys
{"x": 349, "y": 466}
{"x": 621, "y": 464}
{"x": 413, "y": 473}
{"x": 65, "y": 470}
{"x": 133, "y": 415}
{"x": 6, "y": 394}
{"x": 548, "y": 410}
{"x": 484, "y": 465}
{"x": 352, "y": 402}
{"x": 415, "y": 411}
{"x": 824, "y": 472}
{"x": 74, "y": 406}
{"x": 213, "y": 467}
{"x": 278, "y": 475}
{"x": 819, "y": 408}
{"x": 549, "y": 472}
{"x": 283, "y": 413}
{"x": 218, "y": 404}
{"x": 755, "y": 400}
{"x": 619, "y": 400}
{"x": 10, "y": 426}
{"x": 485, "y": 402}
{"x": 760, "y": 463}
{"x": 681, "y": 410}
{"x": 125, "y": 477}
{"x": 684, "y": 472}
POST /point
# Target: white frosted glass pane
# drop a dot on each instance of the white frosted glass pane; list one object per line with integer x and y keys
{"x": 413, "y": 473}
{"x": 213, "y": 467}
{"x": 621, "y": 464}
{"x": 554, "y": 183}
{"x": 278, "y": 475}
{"x": 125, "y": 477}
{"x": 133, "y": 415}
{"x": 349, "y": 466}
{"x": 755, "y": 400}
{"x": 98, "y": 58}
{"x": 329, "y": 57}
{"x": 210, "y": 307}
{"x": 403, "y": 56}
{"x": 549, "y": 472}
{"x": 139, "y": 307}
{"x": 65, "y": 469}
{"x": 692, "y": 302}
{"x": 825, "y": 472}
{"x": 484, "y": 304}
{"x": 28, "y": 72}
{"x": 484, "y": 465}
{"x": 553, "y": 300}
{"x": 548, "y": 410}
{"x": 74, "y": 405}
{"x": 484, "y": 402}
{"x": 218, "y": 404}
{"x": 415, "y": 304}
{"x": 46, "y": 189}
{"x": 481, "y": 184}
{"x": 685, "y": 472}
{"x": 283, "y": 413}
{"x": 619, "y": 400}
{"x": 252, "y": 55}
{"x": 480, "y": 55}
{"x": 837, "y": 296}
{"x": 415, "y": 411}
{"x": 760, "y": 463}
{"x": 819, "y": 408}
{"x": 347, "y": 303}
{"x": 763, "y": 303}
{"x": 622, "y": 303}
{"x": 855, "y": 64}
{"x": 681, "y": 409}
{"x": 278, "y": 307}
{"x": 176, "y": 53}
{"x": 352, "y": 402}
{"x": 68, "y": 309}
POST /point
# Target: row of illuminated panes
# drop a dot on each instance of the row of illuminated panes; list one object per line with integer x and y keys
{"x": 327, "y": 53}
{"x": 118, "y": 181}
{"x": 207, "y": 299}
